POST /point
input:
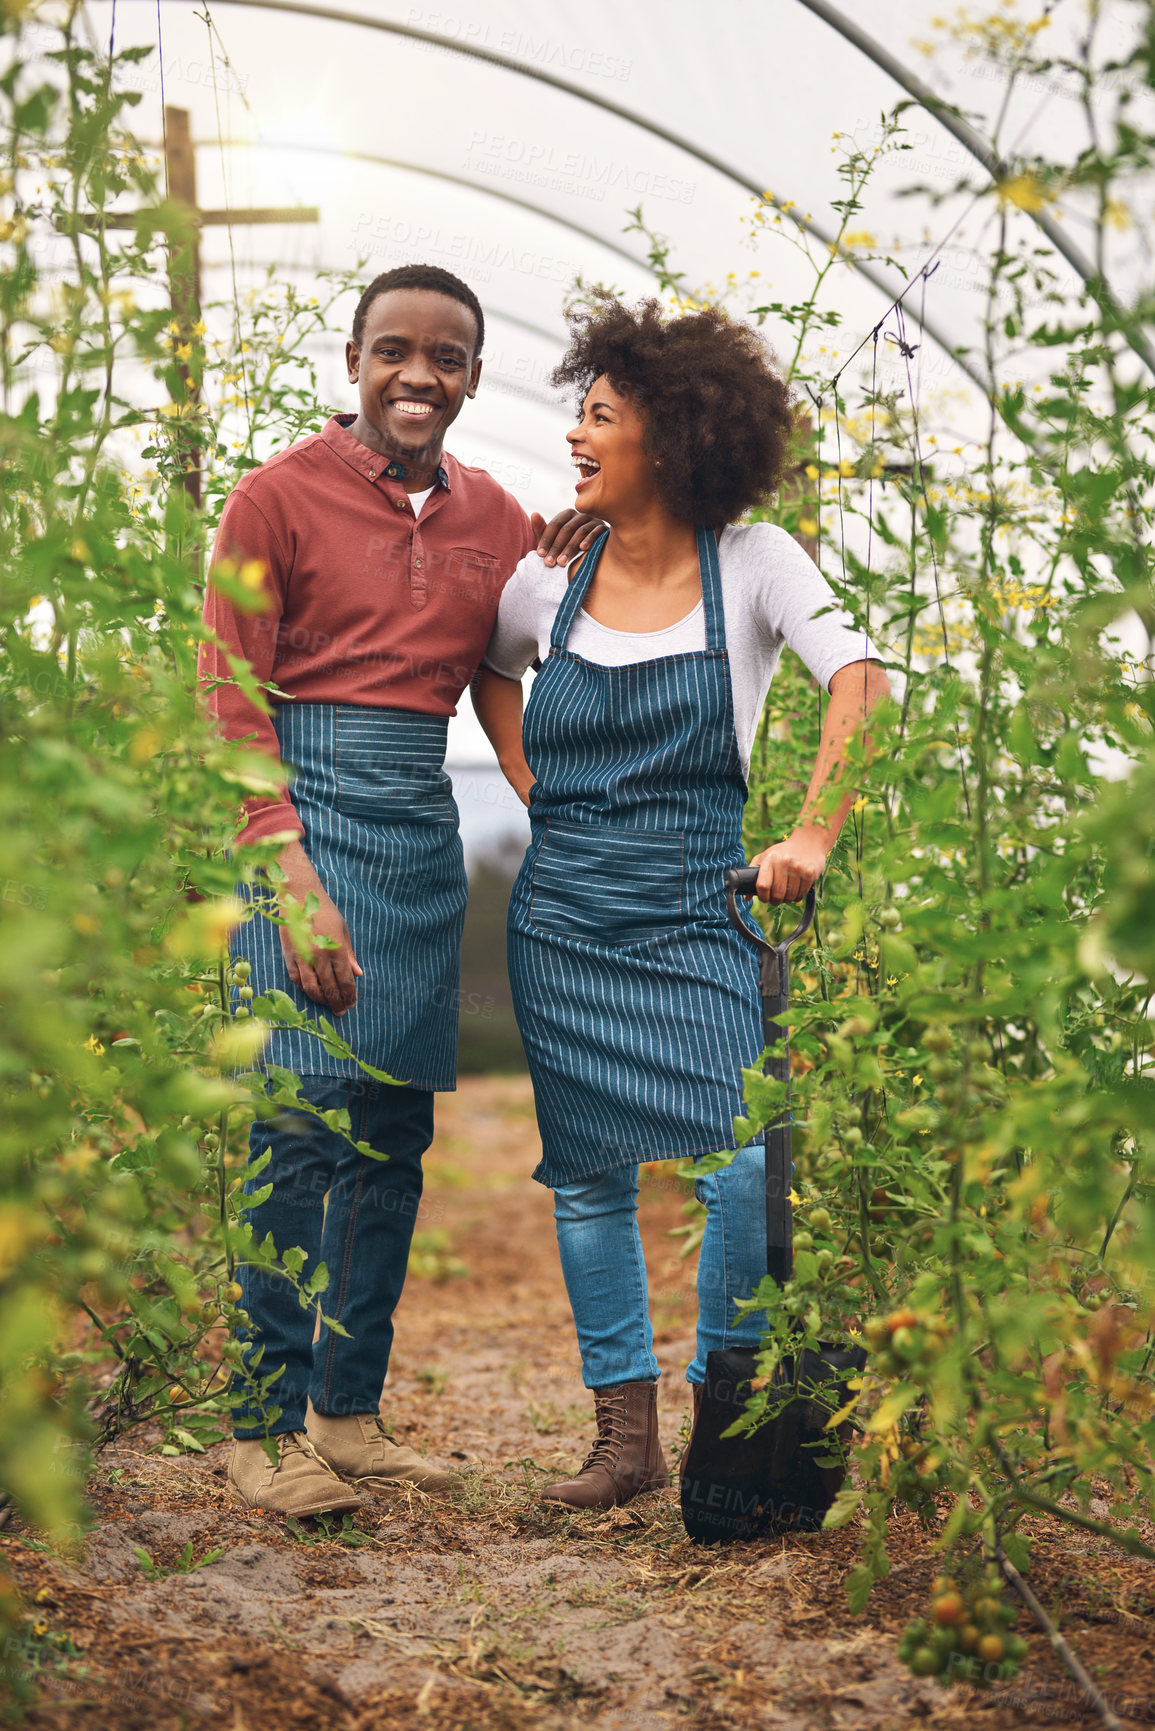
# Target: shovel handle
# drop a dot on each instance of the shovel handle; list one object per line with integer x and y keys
{"x": 742, "y": 881}
{"x": 774, "y": 987}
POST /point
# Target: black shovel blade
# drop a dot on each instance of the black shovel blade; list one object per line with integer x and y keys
{"x": 737, "y": 1487}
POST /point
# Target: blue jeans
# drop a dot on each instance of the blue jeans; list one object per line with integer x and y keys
{"x": 362, "y": 1236}
{"x": 605, "y": 1270}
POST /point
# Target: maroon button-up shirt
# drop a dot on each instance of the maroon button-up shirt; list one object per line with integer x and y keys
{"x": 367, "y": 604}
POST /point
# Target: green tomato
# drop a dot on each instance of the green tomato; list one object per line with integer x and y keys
{"x": 926, "y": 1662}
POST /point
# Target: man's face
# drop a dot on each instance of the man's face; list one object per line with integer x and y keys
{"x": 413, "y": 372}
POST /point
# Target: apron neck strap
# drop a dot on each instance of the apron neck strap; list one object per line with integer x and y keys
{"x": 709, "y": 571}
{"x": 576, "y": 593}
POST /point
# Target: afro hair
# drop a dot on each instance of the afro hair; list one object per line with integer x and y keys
{"x": 719, "y": 422}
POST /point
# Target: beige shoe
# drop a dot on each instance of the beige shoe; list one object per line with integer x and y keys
{"x": 361, "y": 1450}
{"x": 299, "y": 1483}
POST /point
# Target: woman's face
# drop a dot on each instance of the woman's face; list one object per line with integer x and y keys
{"x": 613, "y": 473}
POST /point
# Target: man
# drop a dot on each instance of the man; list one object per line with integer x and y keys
{"x": 383, "y": 561}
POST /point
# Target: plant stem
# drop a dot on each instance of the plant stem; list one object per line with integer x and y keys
{"x": 1059, "y": 1646}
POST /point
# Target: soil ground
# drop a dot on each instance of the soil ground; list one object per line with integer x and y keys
{"x": 486, "y": 1609}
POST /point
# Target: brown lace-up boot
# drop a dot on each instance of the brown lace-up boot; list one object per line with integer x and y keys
{"x": 627, "y": 1456}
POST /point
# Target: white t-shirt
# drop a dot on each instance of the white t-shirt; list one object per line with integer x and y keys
{"x": 417, "y": 500}
{"x": 772, "y": 593}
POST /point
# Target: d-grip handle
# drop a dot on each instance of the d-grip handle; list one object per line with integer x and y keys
{"x": 743, "y": 881}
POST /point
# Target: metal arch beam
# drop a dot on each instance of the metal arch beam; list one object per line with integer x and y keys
{"x": 983, "y": 152}
{"x": 438, "y": 174}
{"x": 335, "y": 15}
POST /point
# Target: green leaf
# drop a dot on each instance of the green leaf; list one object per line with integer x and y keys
{"x": 843, "y": 1509}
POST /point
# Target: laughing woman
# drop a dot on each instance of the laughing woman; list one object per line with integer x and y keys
{"x": 636, "y": 1000}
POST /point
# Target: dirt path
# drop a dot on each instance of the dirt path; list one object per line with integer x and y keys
{"x": 488, "y": 1610}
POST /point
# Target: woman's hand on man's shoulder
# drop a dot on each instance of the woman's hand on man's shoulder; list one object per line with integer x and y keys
{"x": 564, "y": 536}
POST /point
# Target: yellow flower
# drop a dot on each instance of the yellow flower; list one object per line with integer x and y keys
{"x": 205, "y": 929}
{"x": 184, "y": 351}
{"x": 846, "y": 467}
{"x": 198, "y": 329}
{"x": 92, "y": 1044}
{"x": 917, "y": 1080}
{"x": 811, "y": 471}
{"x": 859, "y": 237}
{"x": 1023, "y": 191}
{"x": 145, "y": 744}
{"x": 252, "y": 573}
{"x": 807, "y": 526}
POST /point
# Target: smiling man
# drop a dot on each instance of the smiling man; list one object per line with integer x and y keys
{"x": 383, "y": 563}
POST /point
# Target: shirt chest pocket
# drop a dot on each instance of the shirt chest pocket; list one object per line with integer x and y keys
{"x": 466, "y": 574}
{"x": 610, "y": 886}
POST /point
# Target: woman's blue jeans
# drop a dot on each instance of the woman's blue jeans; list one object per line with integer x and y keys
{"x": 605, "y": 1270}
{"x": 361, "y": 1233}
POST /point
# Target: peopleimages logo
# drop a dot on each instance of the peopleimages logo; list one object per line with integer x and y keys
{"x": 540, "y": 164}
{"x": 481, "y": 257}
{"x": 543, "y": 51}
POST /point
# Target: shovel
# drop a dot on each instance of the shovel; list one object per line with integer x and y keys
{"x": 786, "y": 1473}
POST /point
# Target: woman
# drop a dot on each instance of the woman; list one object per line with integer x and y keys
{"x": 636, "y": 1000}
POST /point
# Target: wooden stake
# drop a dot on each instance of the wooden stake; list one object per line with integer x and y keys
{"x": 184, "y": 274}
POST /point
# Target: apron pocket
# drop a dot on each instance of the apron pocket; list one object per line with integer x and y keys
{"x": 612, "y": 886}
{"x": 380, "y": 782}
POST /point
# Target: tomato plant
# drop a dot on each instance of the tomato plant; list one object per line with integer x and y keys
{"x": 128, "y": 1044}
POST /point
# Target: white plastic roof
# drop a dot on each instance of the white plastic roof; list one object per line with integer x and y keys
{"x": 414, "y": 151}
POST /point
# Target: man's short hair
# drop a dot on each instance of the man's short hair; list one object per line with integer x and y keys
{"x": 420, "y": 276}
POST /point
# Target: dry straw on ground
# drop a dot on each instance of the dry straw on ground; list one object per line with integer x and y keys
{"x": 488, "y": 1610}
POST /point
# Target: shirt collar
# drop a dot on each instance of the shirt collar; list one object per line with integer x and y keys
{"x": 370, "y": 463}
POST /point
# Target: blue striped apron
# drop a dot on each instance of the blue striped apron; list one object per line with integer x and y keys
{"x": 381, "y": 833}
{"x": 636, "y": 999}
